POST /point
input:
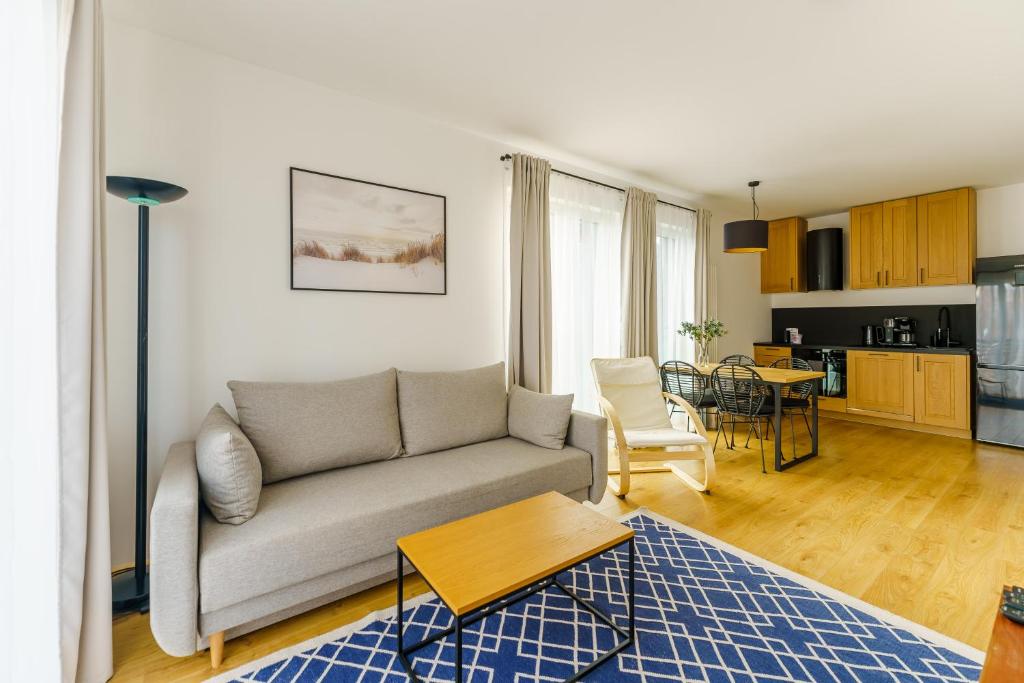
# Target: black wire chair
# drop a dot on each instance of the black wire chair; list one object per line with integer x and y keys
{"x": 737, "y": 359}
{"x": 739, "y": 396}
{"x": 795, "y": 397}
{"x": 687, "y": 382}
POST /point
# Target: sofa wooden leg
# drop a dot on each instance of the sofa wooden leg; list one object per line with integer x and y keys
{"x": 216, "y": 649}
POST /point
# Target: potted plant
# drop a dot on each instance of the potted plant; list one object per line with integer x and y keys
{"x": 702, "y": 335}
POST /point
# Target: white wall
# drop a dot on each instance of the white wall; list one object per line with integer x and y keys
{"x": 221, "y": 307}
{"x": 741, "y": 306}
{"x": 1000, "y": 222}
{"x": 220, "y": 303}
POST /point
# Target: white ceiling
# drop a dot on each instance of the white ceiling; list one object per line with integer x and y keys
{"x": 829, "y": 102}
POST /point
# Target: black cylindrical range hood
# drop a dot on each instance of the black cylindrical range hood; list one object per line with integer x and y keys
{"x": 825, "y": 259}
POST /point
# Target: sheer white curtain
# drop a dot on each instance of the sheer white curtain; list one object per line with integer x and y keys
{"x": 586, "y": 226}
{"x": 677, "y": 247}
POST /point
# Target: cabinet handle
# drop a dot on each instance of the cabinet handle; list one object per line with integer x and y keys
{"x": 887, "y": 278}
{"x": 791, "y": 287}
{"x": 919, "y": 363}
{"x": 922, "y": 276}
{"x": 878, "y": 279}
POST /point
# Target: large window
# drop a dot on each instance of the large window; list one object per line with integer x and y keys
{"x": 586, "y": 225}
{"x": 677, "y": 248}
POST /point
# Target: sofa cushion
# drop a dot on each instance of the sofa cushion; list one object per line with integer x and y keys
{"x": 230, "y": 477}
{"x": 541, "y": 419}
{"x": 303, "y": 427}
{"x": 440, "y": 410}
{"x": 321, "y": 523}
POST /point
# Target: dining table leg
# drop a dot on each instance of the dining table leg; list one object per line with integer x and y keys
{"x": 779, "y": 465}
{"x": 778, "y": 427}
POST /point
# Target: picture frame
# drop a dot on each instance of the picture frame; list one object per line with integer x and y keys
{"x": 352, "y": 235}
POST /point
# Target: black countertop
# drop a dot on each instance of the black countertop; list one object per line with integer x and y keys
{"x": 952, "y": 350}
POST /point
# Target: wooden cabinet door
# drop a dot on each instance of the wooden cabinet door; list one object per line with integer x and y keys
{"x": 783, "y": 266}
{"x": 946, "y": 237}
{"x": 766, "y": 355}
{"x": 880, "y": 384}
{"x": 899, "y": 242}
{"x": 866, "y": 246}
{"x": 940, "y": 390}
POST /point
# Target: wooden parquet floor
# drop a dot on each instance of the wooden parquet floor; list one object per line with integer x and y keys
{"x": 927, "y": 527}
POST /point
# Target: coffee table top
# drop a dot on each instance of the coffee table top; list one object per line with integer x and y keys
{"x": 476, "y": 560}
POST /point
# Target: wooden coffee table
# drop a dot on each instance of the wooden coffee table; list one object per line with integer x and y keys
{"x": 482, "y": 564}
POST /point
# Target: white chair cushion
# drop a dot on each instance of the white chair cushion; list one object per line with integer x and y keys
{"x": 646, "y": 438}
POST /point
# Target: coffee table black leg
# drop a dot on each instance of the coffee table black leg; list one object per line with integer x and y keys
{"x": 458, "y": 649}
{"x": 401, "y": 604}
{"x": 632, "y": 593}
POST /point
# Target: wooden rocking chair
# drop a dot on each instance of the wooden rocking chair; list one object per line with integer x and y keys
{"x": 629, "y": 393}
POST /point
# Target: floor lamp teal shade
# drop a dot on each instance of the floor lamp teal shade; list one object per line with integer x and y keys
{"x": 131, "y": 588}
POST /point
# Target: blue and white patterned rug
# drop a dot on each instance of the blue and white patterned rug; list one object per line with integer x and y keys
{"x": 706, "y": 611}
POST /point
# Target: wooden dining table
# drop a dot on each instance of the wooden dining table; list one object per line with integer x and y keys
{"x": 778, "y": 378}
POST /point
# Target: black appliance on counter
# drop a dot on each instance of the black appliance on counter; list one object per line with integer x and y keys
{"x": 825, "y": 259}
{"x": 830, "y": 361}
{"x": 898, "y": 331}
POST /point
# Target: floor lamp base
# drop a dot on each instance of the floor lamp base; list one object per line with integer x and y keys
{"x": 126, "y": 596}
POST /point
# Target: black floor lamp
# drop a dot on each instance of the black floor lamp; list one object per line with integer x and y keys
{"x": 131, "y": 588}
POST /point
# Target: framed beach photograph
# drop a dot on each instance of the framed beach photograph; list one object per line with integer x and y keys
{"x": 352, "y": 235}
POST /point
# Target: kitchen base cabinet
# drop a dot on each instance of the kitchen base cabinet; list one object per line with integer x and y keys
{"x": 925, "y": 392}
{"x": 880, "y": 383}
{"x": 941, "y": 391}
{"x": 766, "y": 355}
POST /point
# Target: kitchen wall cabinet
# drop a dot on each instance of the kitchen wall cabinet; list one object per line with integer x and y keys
{"x": 866, "y": 246}
{"x": 883, "y": 244}
{"x": 941, "y": 395}
{"x": 880, "y": 384}
{"x": 784, "y": 265}
{"x": 899, "y": 243}
{"x": 946, "y": 237}
{"x": 916, "y": 241}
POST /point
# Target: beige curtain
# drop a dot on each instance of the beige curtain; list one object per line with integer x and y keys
{"x": 639, "y": 275}
{"x": 85, "y": 611}
{"x": 529, "y": 344}
{"x": 705, "y": 303}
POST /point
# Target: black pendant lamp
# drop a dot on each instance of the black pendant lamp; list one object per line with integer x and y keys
{"x": 131, "y": 588}
{"x": 744, "y": 237}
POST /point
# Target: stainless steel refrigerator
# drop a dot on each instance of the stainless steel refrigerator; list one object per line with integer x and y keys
{"x": 1000, "y": 350}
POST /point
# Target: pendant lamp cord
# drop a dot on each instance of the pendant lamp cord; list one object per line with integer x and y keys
{"x": 753, "y": 200}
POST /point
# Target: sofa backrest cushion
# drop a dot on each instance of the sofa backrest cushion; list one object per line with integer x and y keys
{"x": 299, "y": 428}
{"x": 230, "y": 476}
{"x": 541, "y": 419}
{"x": 440, "y": 410}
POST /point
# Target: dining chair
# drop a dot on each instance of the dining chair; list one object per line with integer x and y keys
{"x": 684, "y": 380}
{"x": 630, "y": 395}
{"x": 737, "y": 359}
{"x": 738, "y": 393}
{"x": 795, "y": 397}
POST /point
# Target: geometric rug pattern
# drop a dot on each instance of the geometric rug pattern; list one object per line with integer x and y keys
{"x": 704, "y": 612}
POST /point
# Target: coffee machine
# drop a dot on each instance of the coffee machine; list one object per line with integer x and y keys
{"x": 904, "y": 331}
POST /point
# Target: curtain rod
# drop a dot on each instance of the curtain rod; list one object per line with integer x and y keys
{"x": 508, "y": 157}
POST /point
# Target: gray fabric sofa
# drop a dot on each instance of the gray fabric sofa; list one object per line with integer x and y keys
{"x": 322, "y": 536}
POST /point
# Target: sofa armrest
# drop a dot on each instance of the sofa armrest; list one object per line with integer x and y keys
{"x": 590, "y": 433}
{"x": 174, "y": 553}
